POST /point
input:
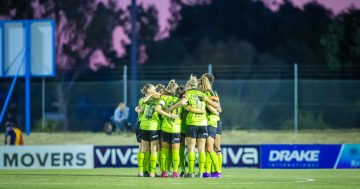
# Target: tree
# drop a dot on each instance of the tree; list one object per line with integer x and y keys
{"x": 342, "y": 41}
{"x": 82, "y": 27}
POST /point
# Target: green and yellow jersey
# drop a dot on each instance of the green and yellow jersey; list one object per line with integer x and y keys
{"x": 184, "y": 114}
{"x": 141, "y": 103}
{"x": 212, "y": 118}
{"x": 196, "y": 99}
{"x": 170, "y": 125}
{"x": 150, "y": 118}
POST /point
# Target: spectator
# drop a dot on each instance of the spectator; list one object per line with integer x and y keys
{"x": 13, "y": 135}
{"x": 120, "y": 117}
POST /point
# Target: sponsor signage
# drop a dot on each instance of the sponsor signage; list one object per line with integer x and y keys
{"x": 240, "y": 156}
{"x": 126, "y": 156}
{"x": 115, "y": 156}
{"x": 299, "y": 156}
{"x": 46, "y": 157}
{"x": 349, "y": 157}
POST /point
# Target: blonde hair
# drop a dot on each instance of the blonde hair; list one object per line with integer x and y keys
{"x": 146, "y": 88}
{"x": 204, "y": 84}
{"x": 192, "y": 83}
{"x": 210, "y": 77}
{"x": 171, "y": 87}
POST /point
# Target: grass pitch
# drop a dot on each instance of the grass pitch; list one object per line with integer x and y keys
{"x": 233, "y": 178}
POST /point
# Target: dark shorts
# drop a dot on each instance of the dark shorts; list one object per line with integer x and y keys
{"x": 219, "y": 127}
{"x": 137, "y": 131}
{"x": 212, "y": 131}
{"x": 182, "y": 139}
{"x": 171, "y": 138}
{"x": 196, "y": 131}
{"x": 149, "y": 136}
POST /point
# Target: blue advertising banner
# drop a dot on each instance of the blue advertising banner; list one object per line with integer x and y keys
{"x": 349, "y": 157}
{"x": 299, "y": 156}
{"x": 241, "y": 155}
{"x": 115, "y": 156}
{"x": 126, "y": 156}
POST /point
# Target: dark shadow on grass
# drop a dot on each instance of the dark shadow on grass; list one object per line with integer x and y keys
{"x": 68, "y": 175}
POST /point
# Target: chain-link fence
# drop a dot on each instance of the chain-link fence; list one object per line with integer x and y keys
{"x": 247, "y": 104}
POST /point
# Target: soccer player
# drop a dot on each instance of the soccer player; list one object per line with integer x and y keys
{"x": 217, "y": 141}
{"x": 149, "y": 127}
{"x": 142, "y": 171}
{"x": 170, "y": 129}
{"x": 196, "y": 125}
{"x": 212, "y": 118}
{"x": 180, "y": 91}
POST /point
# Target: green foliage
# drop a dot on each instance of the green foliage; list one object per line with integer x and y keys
{"x": 49, "y": 126}
{"x": 342, "y": 41}
{"x": 307, "y": 120}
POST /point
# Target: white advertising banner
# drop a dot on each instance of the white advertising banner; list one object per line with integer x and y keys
{"x": 47, "y": 157}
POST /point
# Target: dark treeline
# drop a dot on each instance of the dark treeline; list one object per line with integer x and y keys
{"x": 201, "y": 32}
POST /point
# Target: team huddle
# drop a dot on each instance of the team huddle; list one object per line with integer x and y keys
{"x": 172, "y": 116}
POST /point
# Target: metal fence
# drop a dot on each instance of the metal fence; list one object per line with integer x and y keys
{"x": 247, "y": 103}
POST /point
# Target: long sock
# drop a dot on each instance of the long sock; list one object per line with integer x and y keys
{"x": 202, "y": 157}
{"x": 208, "y": 163}
{"x": 219, "y": 156}
{"x": 168, "y": 162}
{"x": 153, "y": 159}
{"x": 146, "y": 161}
{"x": 215, "y": 161}
{"x": 164, "y": 157}
{"x": 191, "y": 160}
{"x": 182, "y": 158}
{"x": 159, "y": 159}
{"x": 175, "y": 160}
{"x": 140, "y": 157}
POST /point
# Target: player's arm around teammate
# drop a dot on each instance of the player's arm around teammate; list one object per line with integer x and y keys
{"x": 216, "y": 98}
{"x": 170, "y": 128}
{"x": 196, "y": 126}
{"x": 149, "y": 132}
{"x": 212, "y": 118}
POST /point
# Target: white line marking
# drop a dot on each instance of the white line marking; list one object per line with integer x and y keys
{"x": 338, "y": 158}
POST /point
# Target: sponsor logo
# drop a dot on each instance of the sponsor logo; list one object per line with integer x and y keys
{"x": 240, "y": 156}
{"x": 115, "y": 156}
{"x": 53, "y": 159}
{"x": 299, "y": 156}
{"x": 46, "y": 157}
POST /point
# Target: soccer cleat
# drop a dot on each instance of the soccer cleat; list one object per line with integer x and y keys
{"x": 182, "y": 174}
{"x": 175, "y": 175}
{"x": 141, "y": 175}
{"x": 216, "y": 175}
{"x": 206, "y": 175}
{"x": 189, "y": 175}
{"x": 200, "y": 175}
{"x": 164, "y": 174}
{"x": 152, "y": 175}
{"x": 169, "y": 174}
{"x": 146, "y": 174}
